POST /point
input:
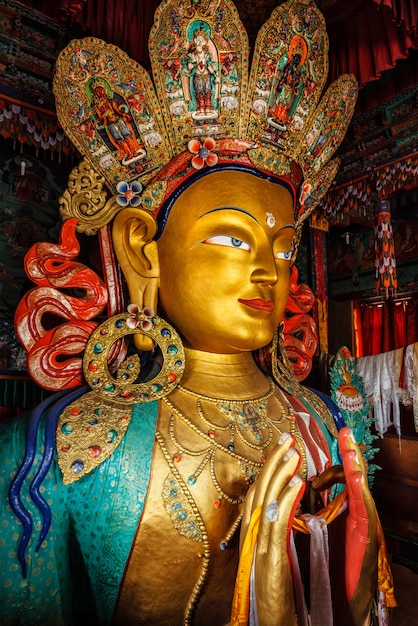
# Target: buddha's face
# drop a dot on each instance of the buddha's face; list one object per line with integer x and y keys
{"x": 225, "y": 262}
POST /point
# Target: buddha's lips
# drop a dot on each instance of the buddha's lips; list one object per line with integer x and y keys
{"x": 258, "y": 303}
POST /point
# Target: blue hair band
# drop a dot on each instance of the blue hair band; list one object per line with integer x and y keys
{"x": 54, "y": 405}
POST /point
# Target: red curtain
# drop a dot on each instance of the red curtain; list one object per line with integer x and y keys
{"x": 125, "y": 23}
{"x": 403, "y": 12}
{"x": 350, "y": 49}
{"x": 384, "y": 326}
{"x": 378, "y": 34}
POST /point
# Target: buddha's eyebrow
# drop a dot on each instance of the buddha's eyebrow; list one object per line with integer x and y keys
{"x": 229, "y": 208}
{"x": 234, "y": 208}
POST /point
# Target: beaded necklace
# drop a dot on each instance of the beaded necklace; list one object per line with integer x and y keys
{"x": 248, "y": 424}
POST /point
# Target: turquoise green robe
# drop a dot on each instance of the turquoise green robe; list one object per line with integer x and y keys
{"x": 75, "y": 575}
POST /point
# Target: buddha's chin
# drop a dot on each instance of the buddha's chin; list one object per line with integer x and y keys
{"x": 231, "y": 345}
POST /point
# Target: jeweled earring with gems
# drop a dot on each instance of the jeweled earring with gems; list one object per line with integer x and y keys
{"x": 129, "y": 384}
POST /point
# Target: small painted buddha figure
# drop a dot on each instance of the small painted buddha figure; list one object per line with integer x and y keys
{"x": 189, "y": 482}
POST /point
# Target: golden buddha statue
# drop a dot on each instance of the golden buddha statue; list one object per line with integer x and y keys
{"x": 172, "y": 490}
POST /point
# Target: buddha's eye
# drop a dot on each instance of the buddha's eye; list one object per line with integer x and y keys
{"x": 231, "y": 242}
{"x": 285, "y": 256}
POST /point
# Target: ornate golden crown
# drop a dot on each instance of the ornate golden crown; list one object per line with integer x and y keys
{"x": 204, "y": 108}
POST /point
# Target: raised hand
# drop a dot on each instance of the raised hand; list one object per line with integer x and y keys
{"x": 275, "y": 495}
{"x": 361, "y": 544}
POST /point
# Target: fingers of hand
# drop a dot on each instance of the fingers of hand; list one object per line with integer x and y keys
{"x": 360, "y": 502}
{"x": 348, "y": 443}
{"x": 257, "y": 492}
{"x": 274, "y": 461}
{"x": 329, "y": 477}
{"x": 281, "y": 500}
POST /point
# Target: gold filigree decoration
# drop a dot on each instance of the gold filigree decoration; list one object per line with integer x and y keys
{"x": 125, "y": 388}
{"x": 88, "y": 431}
{"x": 86, "y": 198}
{"x": 269, "y": 158}
{"x": 154, "y": 195}
{"x": 179, "y": 510}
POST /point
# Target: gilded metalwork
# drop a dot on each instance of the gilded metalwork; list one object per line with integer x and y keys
{"x": 88, "y": 431}
{"x": 178, "y": 508}
{"x": 86, "y": 198}
{"x": 285, "y": 378}
{"x": 197, "y": 590}
{"x": 199, "y": 57}
{"x": 124, "y": 388}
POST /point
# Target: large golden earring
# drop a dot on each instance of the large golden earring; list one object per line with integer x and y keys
{"x": 128, "y": 384}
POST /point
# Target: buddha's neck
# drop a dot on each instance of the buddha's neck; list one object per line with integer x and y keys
{"x": 226, "y": 376}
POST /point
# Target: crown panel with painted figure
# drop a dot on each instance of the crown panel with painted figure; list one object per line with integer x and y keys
{"x": 199, "y": 58}
{"x": 288, "y": 73}
{"x": 205, "y": 108}
{"x": 107, "y": 105}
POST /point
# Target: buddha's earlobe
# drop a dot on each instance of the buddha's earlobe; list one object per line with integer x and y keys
{"x": 137, "y": 253}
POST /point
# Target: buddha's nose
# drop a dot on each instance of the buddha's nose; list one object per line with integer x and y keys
{"x": 265, "y": 270}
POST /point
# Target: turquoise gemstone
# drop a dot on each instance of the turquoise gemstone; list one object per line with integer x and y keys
{"x": 109, "y": 387}
{"x": 112, "y": 435}
{"x": 66, "y": 428}
{"x": 173, "y": 493}
{"x": 156, "y": 387}
{"x": 182, "y": 515}
{"x": 172, "y": 349}
{"x": 191, "y": 480}
{"x": 98, "y": 412}
{"x": 98, "y": 348}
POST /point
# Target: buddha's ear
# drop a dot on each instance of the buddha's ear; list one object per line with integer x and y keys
{"x": 137, "y": 253}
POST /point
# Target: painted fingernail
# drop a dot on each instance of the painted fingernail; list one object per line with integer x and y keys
{"x": 289, "y": 454}
{"x": 296, "y": 480}
{"x": 283, "y": 438}
{"x": 272, "y": 511}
